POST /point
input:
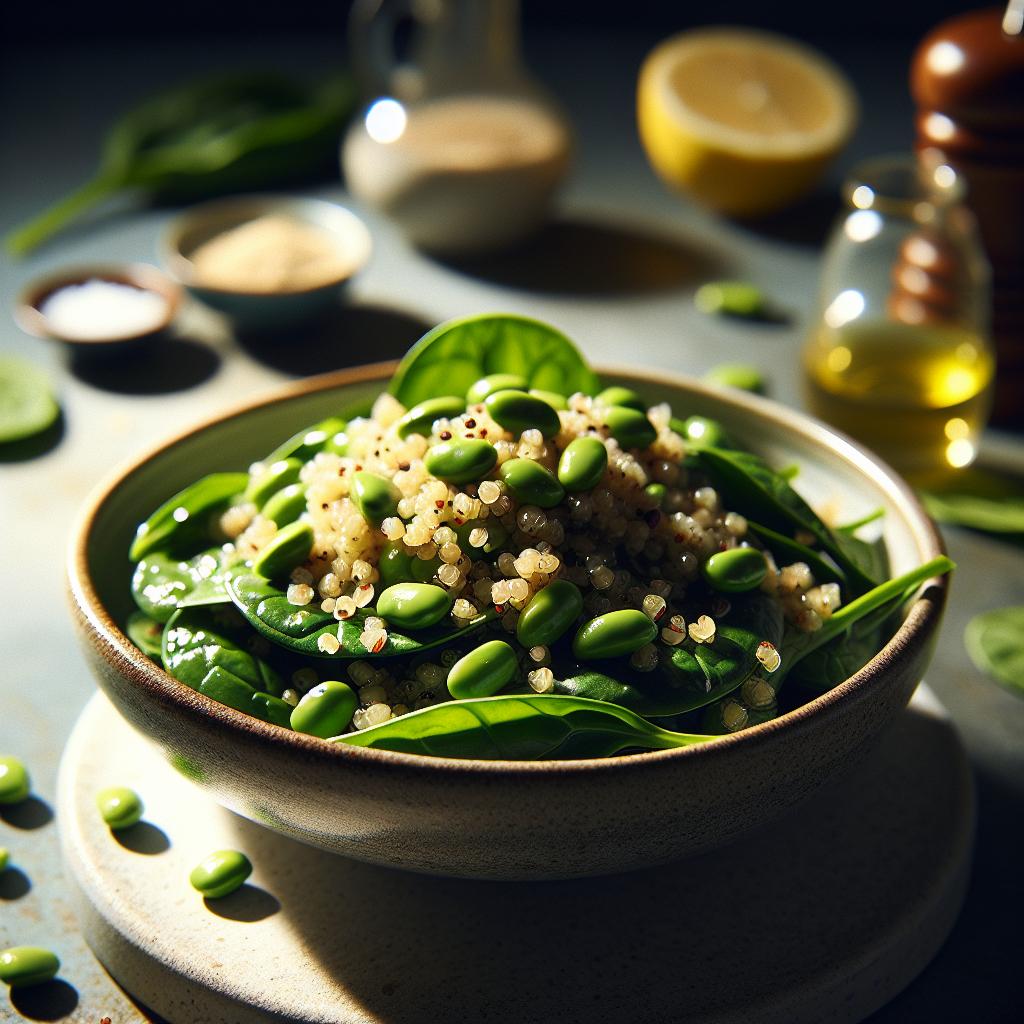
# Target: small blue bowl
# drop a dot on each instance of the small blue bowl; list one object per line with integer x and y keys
{"x": 265, "y": 310}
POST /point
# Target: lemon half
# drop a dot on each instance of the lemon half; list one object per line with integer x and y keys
{"x": 742, "y": 120}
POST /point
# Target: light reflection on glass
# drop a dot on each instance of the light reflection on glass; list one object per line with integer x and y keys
{"x": 846, "y": 306}
{"x": 863, "y": 197}
{"x": 863, "y": 225}
{"x": 939, "y": 127}
{"x": 957, "y": 429}
{"x": 960, "y": 453}
{"x": 945, "y": 58}
{"x": 385, "y": 121}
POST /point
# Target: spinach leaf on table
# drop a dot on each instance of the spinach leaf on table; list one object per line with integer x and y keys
{"x": 995, "y": 643}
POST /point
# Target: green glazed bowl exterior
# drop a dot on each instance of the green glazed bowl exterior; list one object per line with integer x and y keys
{"x": 484, "y": 819}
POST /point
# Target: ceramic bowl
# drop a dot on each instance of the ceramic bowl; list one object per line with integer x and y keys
{"x": 28, "y": 311}
{"x": 262, "y": 310}
{"x": 503, "y": 820}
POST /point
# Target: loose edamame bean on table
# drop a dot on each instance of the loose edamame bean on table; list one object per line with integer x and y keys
{"x": 532, "y": 570}
{"x": 15, "y": 784}
{"x": 21, "y": 966}
{"x": 220, "y": 873}
{"x": 120, "y": 807}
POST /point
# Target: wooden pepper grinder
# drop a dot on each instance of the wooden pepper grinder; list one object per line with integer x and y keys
{"x": 967, "y": 80}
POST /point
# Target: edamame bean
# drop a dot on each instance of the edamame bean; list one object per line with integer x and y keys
{"x": 119, "y": 807}
{"x": 630, "y": 427}
{"x": 701, "y": 430}
{"x": 617, "y": 395}
{"x": 286, "y": 505}
{"x": 494, "y": 382}
{"x": 15, "y": 784}
{"x": 21, "y": 966}
{"x": 413, "y": 605}
{"x": 735, "y": 570}
{"x": 549, "y": 614}
{"x": 517, "y": 411}
{"x": 375, "y": 496}
{"x": 5, "y": 858}
{"x": 424, "y": 570}
{"x": 737, "y": 375}
{"x": 306, "y": 443}
{"x": 326, "y": 710}
{"x": 395, "y": 565}
{"x": 484, "y": 671}
{"x": 729, "y": 298}
{"x": 582, "y": 464}
{"x": 277, "y": 475}
{"x": 289, "y": 547}
{"x": 221, "y": 873}
{"x": 531, "y": 483}
{"x": 461, "y": 460}
{"x": 553, "y": 398}
{"x": 656, "y": 492}
{"x": 614, "y": 634}
{"x": 420, "y": 418}
{"x": 496, "y": 536}
{"x": 269, "y": 708}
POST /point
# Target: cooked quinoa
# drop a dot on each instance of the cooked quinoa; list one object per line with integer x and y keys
{"x": 623, "y": 547}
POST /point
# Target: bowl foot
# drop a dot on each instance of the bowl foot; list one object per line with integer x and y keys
{"x": 824, "y": 915}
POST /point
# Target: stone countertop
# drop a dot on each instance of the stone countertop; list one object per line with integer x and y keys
{"x": 617, "y": 273}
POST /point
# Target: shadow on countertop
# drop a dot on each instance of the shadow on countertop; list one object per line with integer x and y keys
{"x": 159, "y": 367}
{"x": 593, "y": 257}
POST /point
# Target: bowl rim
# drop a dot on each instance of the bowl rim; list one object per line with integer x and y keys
{"x": 31, "y": 319}
{"x": 180, "y": 267}
{"x": 915, "y": 631}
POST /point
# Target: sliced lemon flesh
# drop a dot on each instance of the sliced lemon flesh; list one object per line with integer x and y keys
{"x": 744, "y": 121}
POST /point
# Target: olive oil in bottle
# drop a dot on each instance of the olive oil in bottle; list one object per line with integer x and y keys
{"x": 918, "y": 395}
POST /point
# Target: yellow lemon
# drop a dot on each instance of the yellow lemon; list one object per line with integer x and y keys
{"x": 744, "y": 121}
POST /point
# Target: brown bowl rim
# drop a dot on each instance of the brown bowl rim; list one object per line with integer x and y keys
{"x": 31, "y": 319}
{"x": 922, "y": 620}
{"x": 180, "y": 267}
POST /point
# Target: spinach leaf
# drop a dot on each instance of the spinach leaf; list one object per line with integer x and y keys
{"x": 786, "y": 551}
{"x": 751, "y": 487}
{"x": 518, "y": 727}
{"x": 268, "y": 610}
{"x": 182, "y": 524}
{"x": 145, "y": 633}
{"x": 225, "y": 134}
{"x": 455, "y": 354}
{"x": 196, "y": 640}
{"x": 160, "y": 583}
{"x": 1000, "y": 514}
{"x": 995, "y": 643}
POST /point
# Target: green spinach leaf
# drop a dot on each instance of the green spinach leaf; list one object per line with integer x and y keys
{"x": 995, "y": 643}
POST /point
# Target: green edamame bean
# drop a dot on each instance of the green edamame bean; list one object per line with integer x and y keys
{"x": 553, "y": 398}
{"x": 326, "y": 710}
{"x": 277, "y": 475}
{"x": 289, "y": 548}
{"x": 420, "y": 418}
{"x": 461, "y": 460}
{"x": 286, "y": 505}
{"x": 531, "y": 483}
{"x": 15, "y": 784}
{"x": 21, "y": 966}
{"x": 518, "y": 411}
{"x": 484, "y": 671}
{"x": 226, "y": 688}
{"x": 549, "y": 614}
{"x": 269, "y": 708}
{"x": 737, "y": 375}
{"x": 494, "y": 382}
{"x": 496, "y": 536}
{"x": 735, "y": 570}
{"x": 306, "y": 443}
{"x": 119, "y": 807}
{"x": 614, "y": 634}
{"x": 424, "y": 570}
{"x": 729, "y": 298}
{"x": 626, "y": 397}
{"x": 413, "y": 605}
{"x": 395, "y": 565}
{"x": 221, "y": 873}
{"x": 582, "y": 464}
{"x": 656, "y": 492}
{"x": 375, "y": 496}
{"x": 5, "y": 858}
{"x": 701, "y": 430}
{"x": 630, "y": 427}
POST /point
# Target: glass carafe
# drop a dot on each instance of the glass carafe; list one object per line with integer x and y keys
{"x": 457, "y": 143}
{"x": 899, "y": 356}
